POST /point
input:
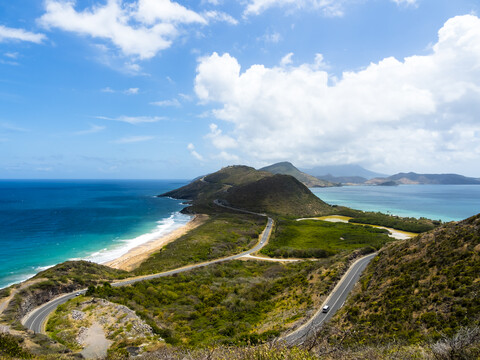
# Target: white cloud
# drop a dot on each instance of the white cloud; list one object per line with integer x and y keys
{"x": 12, "y": 55}
{"x": 228, "y": 157}
{"x": 134, "y": 120}
{"x": 108, "y": 90}
{"x": 219, "y": 140}
{"x": 139, "y": 29}
{"x": 219, "y": 16}
{"x": 165, "y": 11}
{"x": 172, "y": 102}
{"x": 406, "y": 2}
{"x": 328, "y": 7}
{"x": 194, "y": 153}
{"x": 271, "y": 37}
{"x": 12, "y": 127}
{"x": 92, "y": 130}
{"x": 419, "y": 111}
{"x": 331, "y": 8}
{"x": 13, "y": 34}
{"x": 287, "y": 59}
{"x": 131, "y": 91}
{"x": 133, "y": 139}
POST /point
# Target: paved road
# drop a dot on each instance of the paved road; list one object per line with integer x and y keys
{"x": 335, "y": 301}
{"x": 35, "y": 320}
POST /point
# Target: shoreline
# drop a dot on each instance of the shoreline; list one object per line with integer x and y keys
{"x": 135, "y": 256}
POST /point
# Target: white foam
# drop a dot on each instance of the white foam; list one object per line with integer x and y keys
{"x": 164, "y": 226}
{"x": 42, "y": 268}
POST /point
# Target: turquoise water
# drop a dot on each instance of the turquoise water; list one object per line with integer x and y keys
{"x": 438, "y": 202}
{"x": 44, "y": 223}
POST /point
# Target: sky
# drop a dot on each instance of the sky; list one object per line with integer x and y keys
{"x": 156, "y": 89}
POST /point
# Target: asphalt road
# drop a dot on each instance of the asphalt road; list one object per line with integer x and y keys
{"x": 335, "y": 301}
{"x": 36, "y": 319}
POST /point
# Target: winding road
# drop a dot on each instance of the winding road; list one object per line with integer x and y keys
{"x": 335, "y": 301}
{"x": 36, "y": 319}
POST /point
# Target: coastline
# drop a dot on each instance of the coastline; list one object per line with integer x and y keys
{"x": 135, "y": 256}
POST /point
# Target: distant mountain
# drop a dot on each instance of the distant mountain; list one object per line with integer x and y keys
{"x": 343, "y": 179}
{"x": 426, "y": 179}
{"x": 342, "y": 170}
{"x": 286, "y": 168}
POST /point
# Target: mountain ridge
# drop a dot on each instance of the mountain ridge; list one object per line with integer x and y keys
{"x": 342, "y": 170}
{"x": 287, "y": 168}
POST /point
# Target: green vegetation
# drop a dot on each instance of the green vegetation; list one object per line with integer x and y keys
{"x": 204, "y": 190}
{"x": 5, "y": 292}
{"x": 277, "y": 195}
{"x": 420, "y": 288}
{"x": 320, "y": 239}
{"x": 63, "y": 278}
{"x": 395, "y": 222}
{"x": 10, "y": 347}
{"x": 239, "y": 302}
{"x": 81, "y": 273}
{"x": 222, "y": 235}
{"x": 246, "y": 188}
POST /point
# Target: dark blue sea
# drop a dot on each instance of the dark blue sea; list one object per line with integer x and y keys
{"x": 437, "y": 202}
{"x": 43, "y": 223}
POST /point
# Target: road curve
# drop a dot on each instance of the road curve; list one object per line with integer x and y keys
{"x": 335, "y": 301}
{"x": 36, "y": 319}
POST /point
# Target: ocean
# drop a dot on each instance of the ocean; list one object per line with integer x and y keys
{"x": 47, "y": 222}
{"x": 437, "y": 202}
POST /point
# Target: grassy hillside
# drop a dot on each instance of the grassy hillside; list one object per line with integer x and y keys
{"x": 250, "y": 189}
{"x": 239, "y": 302}
{"x": 286, "y": 168}
{"x": 277, "y": 194}
{"x": 420, "y": 288}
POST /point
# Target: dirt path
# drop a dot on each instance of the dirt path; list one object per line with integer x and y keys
{"x": 268, "y": 259}
{"x": 96, "y": 344}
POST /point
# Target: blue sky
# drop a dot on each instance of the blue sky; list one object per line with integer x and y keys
{"x": 165, "y": 89}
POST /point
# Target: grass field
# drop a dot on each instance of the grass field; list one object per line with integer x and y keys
{"x": 319, "y": 239}
{"x": 222, "y": 235}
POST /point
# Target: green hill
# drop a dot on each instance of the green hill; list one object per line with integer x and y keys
{"x": 287, "y": 168}
{"x": 419, "y": 289}
{"x": 278, "y": 194}
{"x": 250, "y": 189}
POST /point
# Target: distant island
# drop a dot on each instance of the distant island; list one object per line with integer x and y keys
{"x": 345, "y": 175}
{"x": 412, "y": 178}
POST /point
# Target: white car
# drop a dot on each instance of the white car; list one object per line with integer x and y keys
{"x": 325, "y": 309}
